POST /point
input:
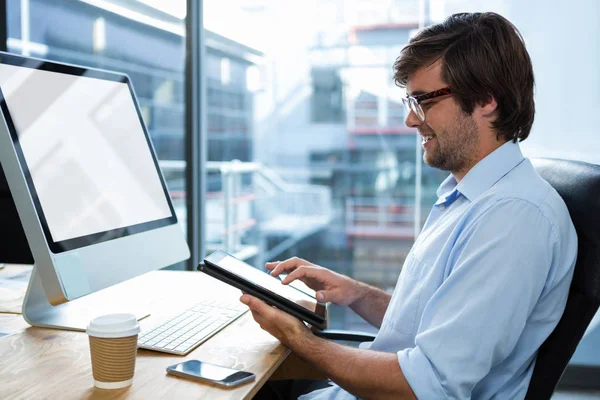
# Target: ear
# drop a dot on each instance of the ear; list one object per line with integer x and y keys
{"x": 487, "y": 108}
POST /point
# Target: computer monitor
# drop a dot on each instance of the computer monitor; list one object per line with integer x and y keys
{"x": 86, "y": 183}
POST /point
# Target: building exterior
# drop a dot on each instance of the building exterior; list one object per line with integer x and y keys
{"x": 338, "y": 121}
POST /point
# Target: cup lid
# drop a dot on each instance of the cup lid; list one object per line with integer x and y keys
{"x": 114, "y": 326}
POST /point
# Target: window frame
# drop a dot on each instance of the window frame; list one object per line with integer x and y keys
{"x": 195, "y": 131}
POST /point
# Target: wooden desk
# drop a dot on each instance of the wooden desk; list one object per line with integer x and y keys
{"x": 42, "y": 363}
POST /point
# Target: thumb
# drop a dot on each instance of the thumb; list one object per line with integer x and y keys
{"x": 253, "y": 303}
{"x": 323, "y": 296}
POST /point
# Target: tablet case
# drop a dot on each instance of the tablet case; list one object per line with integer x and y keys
{"x": 210, "y": 267}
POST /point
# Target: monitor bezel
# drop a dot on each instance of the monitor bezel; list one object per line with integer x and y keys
{"x": 98, "y": 237}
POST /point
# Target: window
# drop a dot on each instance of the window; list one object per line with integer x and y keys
{"x": 125, "y": 38}
{"x": 336, "y": 177}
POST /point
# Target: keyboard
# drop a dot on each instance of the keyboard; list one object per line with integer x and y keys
{"x": 185, "y": 331}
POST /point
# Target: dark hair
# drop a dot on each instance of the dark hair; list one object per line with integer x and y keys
{"x": 483, "y": 55}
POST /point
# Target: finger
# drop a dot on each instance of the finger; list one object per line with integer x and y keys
{"x": 288, "y": 265}
{"x": 304, "y": 271}
{"x": 283, "y": 266}
{"x": 254, "y": 304}
{"x": 260, "y": 320}
{"x": 257, "y": 317}
{"x": 324, "y": 296}
{"x": 272, "y": 264}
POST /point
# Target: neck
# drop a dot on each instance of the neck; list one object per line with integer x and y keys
{"x": 484, "y": 150}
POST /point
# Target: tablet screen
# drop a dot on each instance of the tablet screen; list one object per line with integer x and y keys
{"x": 266, "y": 281}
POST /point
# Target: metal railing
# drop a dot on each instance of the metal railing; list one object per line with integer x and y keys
{"x": 292, "y": 199}
{"x": 243, "y": 197}
{"x": 390, "y": 217}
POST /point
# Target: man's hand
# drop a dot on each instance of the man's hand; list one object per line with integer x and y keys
{"x": 367, "y": 301}
{"x": 365, "y": 373}
{"x": 288, "y": 329}
{"x": 329, "y": 285}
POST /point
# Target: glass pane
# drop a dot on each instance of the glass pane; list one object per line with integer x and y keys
{"x": 336, "y": 179}
{"x": 125, "y": 38}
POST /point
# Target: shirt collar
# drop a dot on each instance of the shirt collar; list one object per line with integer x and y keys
{"x": 484, "y": 174}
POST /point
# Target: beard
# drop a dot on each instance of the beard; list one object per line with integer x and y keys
{"x": 455, "y": 146}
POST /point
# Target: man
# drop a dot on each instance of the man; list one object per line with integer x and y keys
{"x": 487, "y": 280}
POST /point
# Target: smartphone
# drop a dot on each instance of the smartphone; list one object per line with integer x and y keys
{"x": 212, "y": 373}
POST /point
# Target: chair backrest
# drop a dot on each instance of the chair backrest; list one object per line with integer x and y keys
{"x": 578, "y": 183}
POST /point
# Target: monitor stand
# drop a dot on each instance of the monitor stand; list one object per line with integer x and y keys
{"x": 75, "y": 315}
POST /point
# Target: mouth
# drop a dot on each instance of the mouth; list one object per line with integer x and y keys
{"x": 427, "y": 138}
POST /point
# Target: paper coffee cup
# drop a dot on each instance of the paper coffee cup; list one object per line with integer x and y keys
{"x": 113, "y": 347}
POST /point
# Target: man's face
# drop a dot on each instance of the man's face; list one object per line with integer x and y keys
{"x": 450, "y": 137}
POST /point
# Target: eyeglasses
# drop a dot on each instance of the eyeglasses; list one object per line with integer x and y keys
{"x": 413, "y": 103}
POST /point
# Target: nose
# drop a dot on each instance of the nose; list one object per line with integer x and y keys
{"x": 412, "y": 121}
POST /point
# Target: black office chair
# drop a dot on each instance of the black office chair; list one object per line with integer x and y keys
{"x": 578, "y": 183}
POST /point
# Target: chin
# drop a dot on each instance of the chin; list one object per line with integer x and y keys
{"x": 434, "y": 163}
{"x": 429, "y": 160}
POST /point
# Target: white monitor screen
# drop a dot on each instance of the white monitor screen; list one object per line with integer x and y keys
{"x": 86, "y": 151}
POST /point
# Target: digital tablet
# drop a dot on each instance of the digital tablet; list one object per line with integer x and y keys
{"x": 298, "y": 285}
{"x": 237, "y": 273}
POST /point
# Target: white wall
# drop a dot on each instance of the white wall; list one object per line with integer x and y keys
{"x": 562, "y": 38}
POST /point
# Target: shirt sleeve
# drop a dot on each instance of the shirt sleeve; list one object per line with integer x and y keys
{"x": 497, "y": 270}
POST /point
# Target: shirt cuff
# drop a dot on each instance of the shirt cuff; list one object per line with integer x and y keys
{"x": 420, "y": 374}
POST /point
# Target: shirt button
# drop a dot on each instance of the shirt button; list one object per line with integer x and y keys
{"x": 442, "y": 207}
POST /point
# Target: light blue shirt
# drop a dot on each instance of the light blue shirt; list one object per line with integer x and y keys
{"x": 483, "y": 286}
